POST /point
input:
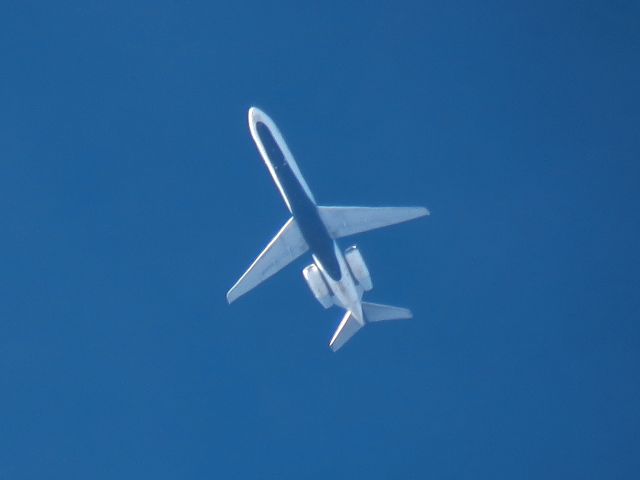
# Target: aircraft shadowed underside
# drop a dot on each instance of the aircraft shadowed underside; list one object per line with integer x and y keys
{"x": 334, "y": 277}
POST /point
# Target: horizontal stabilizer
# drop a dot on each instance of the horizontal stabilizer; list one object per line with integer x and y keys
{"x": 347, "y": 329}
{"x": 285, "y": 247}
{"x": 374, "y": 312}
{"x": 345, "y": 221}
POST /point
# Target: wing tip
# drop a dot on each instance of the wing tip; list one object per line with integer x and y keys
{"x": 231, "y": 296}
{"x": 335, "y": 346}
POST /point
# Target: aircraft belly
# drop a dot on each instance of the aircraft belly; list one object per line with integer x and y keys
{"x": 344, "y": 289}
{"x": 315, "y": 229}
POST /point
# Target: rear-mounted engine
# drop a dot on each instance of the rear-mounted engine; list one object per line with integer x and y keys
{"x": 317, "y": 285}
{"x": 358, "y": 267}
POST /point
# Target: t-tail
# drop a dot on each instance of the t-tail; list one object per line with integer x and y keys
{"x": 372, "y": 312}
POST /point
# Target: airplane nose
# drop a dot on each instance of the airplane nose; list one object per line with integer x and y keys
{"x": 252, "y": 114}
{"x": 256, "y": 115}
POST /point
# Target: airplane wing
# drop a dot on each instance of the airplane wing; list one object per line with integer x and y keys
{"x": 285, "y": 247}
{"x": 345, "y": 221}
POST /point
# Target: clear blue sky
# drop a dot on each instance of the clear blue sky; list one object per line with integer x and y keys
{"x": 132, "y": 197}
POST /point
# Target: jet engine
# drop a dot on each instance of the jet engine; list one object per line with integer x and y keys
{"x": 317, "y": 285}
{"x": 358, "y": 267}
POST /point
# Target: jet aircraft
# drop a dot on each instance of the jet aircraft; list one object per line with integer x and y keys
{"x": 334, "y": 277}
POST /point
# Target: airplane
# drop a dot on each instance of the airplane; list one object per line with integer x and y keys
{"x": 334, "y": 277}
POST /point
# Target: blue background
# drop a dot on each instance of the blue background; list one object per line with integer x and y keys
{"x": 132, "y": 197}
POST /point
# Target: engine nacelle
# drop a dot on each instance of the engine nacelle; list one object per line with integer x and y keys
{"x": 317, "y": 285}
{"x": 358, "y": 267}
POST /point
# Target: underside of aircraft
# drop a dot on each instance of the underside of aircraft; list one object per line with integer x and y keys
{"x": 335, "y": 277}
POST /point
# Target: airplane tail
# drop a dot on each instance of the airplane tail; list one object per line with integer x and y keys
{"x": 373, "y": 312}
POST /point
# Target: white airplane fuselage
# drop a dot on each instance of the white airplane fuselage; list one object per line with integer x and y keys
{"x": 300, "y": 201}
